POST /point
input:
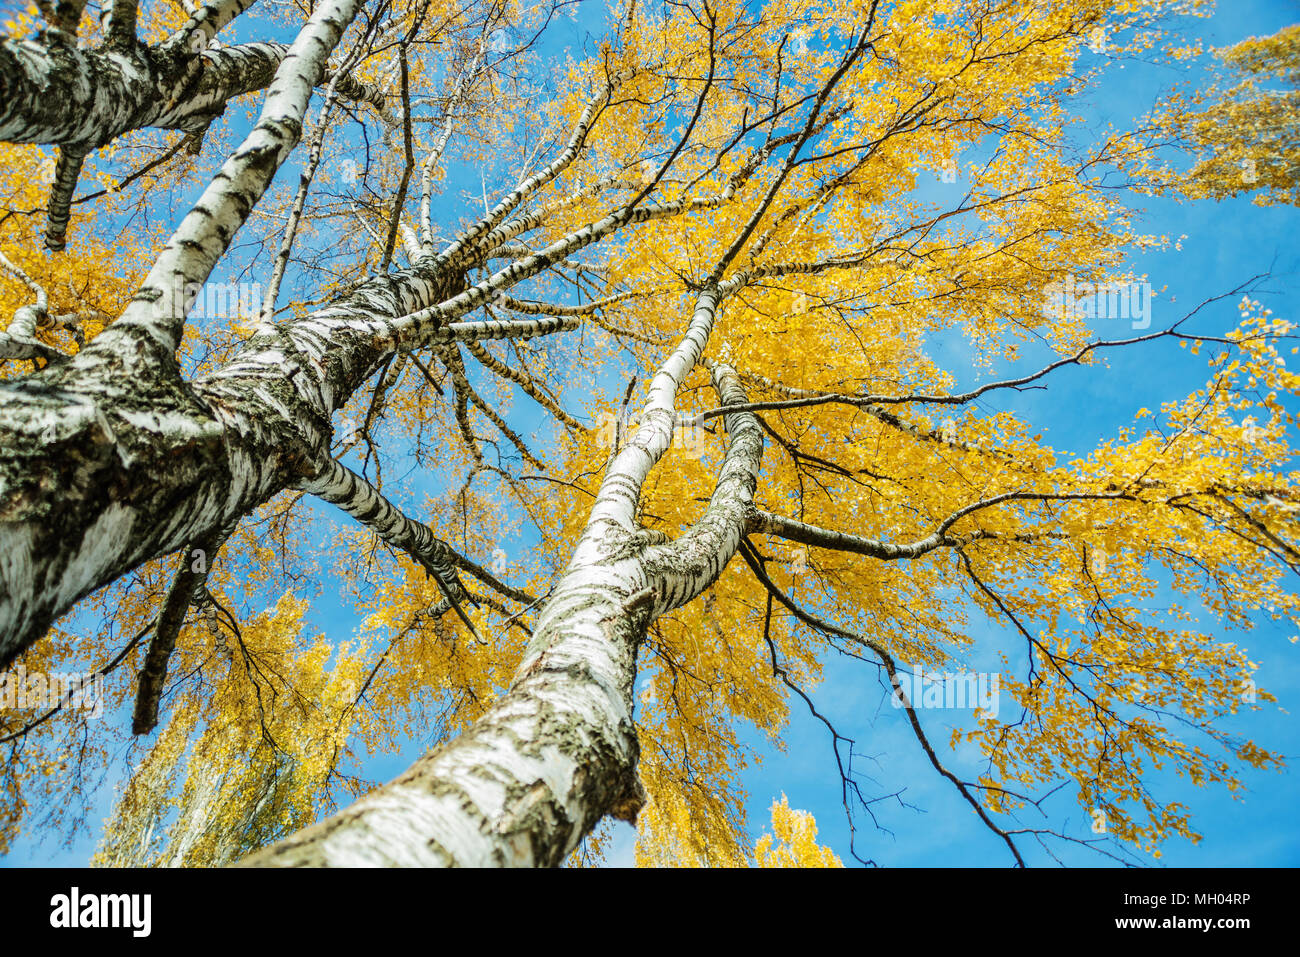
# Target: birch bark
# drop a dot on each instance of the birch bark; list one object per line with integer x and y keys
{"x": 559, "y": 751}
{"x": 110, "y": 458}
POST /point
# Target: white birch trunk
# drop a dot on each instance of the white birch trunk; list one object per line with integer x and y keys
{"x": 559, "y": 751}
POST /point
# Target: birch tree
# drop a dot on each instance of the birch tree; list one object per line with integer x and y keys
{"x": 720, "y": 201}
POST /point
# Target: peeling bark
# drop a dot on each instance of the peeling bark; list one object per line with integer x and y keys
{"x": 108, "y": 460}
{"x": 54, "y": 92}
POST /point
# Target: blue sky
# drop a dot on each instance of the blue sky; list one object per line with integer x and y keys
{"x": 1225, "y": 244}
